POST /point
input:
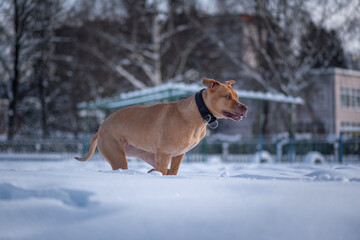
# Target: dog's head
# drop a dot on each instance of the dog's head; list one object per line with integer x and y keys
{"x": 222, "y": 100}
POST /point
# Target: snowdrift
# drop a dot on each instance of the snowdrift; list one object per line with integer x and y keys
{"x": 74, "y": 200}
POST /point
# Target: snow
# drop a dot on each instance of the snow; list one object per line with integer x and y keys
{"x": 75, "y": 200}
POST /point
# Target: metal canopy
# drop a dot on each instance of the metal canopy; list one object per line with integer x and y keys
{"x": 350, "y": 129}
{"x": 175, "y": 91}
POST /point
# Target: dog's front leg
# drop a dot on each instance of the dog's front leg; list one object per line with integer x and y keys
{"x": 175, "y": 164}
{"x": 162, "y": 161}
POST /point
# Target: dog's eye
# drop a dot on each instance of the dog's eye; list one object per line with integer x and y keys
{"x": 228, "y": 97}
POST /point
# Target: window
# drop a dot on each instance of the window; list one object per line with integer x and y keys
{"x": 357, "y": 99}
{"x": 344, "y": 95}
{"x": 350, "y": 98}
{"x": 350, "y": 124}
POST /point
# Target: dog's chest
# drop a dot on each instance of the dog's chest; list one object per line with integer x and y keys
{"x": 184, "y": 142}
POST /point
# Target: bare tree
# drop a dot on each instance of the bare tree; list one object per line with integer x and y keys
{"x": 26, "y": 41}
{"x": 44, "y": 22}
{"x": 145, "y": 46}
{"x": 274, "y": 33}
{"x": 282, "y": 42}
{"x": 16, "y": 49}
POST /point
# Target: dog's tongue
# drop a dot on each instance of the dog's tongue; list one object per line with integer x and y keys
{"x": 235, "y": 117}
{"x": 238, "y": 118}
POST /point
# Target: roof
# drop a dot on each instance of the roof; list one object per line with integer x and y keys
{"x": 175, "y": 91}
{"x": 335, "y": 71}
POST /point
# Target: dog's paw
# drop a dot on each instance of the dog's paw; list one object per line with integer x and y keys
{"x": 154, "y": 172}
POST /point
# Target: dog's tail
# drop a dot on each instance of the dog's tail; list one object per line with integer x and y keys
{"x": 92, "y": 149}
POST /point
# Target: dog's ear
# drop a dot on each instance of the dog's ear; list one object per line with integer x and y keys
{"x": 228, "y": 83}
{"x": 212, "y": 83}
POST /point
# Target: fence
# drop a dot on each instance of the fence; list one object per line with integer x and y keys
{"x": 247, "y": 150}
{"x": 279, "y": 150}
{"x": 38, "y": 149}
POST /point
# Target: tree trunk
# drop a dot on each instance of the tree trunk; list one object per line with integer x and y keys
{"x": 42, "y": 95}
{"x": 15, "y": 76}
{"x": 157, "y": 49}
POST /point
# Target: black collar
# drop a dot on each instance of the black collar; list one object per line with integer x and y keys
{"x": 206, "y": 115}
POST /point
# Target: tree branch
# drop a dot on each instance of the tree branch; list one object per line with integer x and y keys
{"x": 117, "y": 68}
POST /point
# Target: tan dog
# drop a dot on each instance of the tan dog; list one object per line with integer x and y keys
{"x": 165, "y": 131}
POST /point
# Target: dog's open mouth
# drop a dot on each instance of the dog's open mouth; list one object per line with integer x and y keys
{"x": 233, "y": 116}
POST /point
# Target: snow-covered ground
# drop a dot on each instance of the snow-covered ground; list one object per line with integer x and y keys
{"x": 75, "y": 200}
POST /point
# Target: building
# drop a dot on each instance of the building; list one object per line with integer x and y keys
{"x": 332, "y": 102}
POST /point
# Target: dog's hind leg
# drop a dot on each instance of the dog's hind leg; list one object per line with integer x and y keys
{"x": 162, "y": 161}
{"x": 113, "y": 152}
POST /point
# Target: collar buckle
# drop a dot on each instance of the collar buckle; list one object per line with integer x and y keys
{"x": 214, "y": 124}
{"x": 206, "y": 119}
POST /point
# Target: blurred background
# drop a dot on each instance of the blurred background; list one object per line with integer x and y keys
{"x": 66, "y": 65}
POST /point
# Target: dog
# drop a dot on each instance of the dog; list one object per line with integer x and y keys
{"x": 164, "y": 132}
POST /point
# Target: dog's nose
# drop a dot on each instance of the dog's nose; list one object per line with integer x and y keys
{"x": 243, "y": 109}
